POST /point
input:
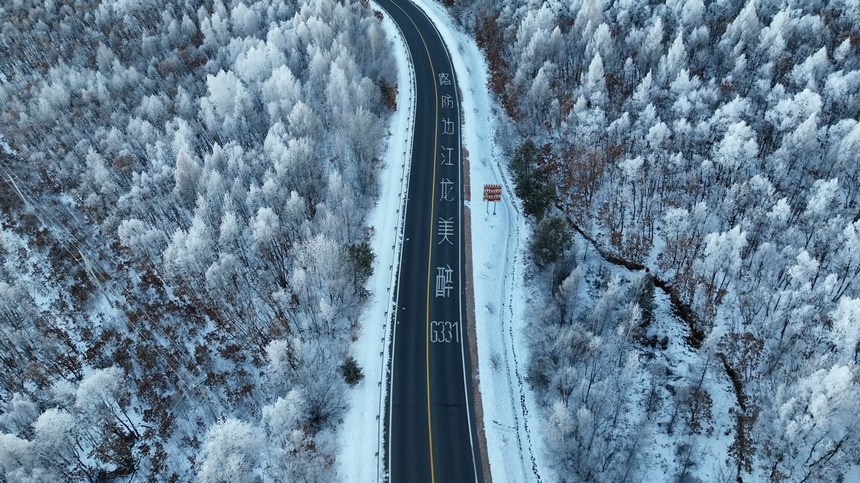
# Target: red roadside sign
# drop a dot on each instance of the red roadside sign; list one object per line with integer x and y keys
{"x": 492, "y": 192}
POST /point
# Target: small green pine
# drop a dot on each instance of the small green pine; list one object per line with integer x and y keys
{"x": 351, "y": 371}
{"x": 549, "y": 241}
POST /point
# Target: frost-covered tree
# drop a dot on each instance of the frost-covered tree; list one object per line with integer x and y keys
{"x": 231, "y": 452}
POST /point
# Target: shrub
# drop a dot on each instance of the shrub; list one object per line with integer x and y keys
{"x": 551, "y": 238}
{"x": 351, "y": 371}
{"x": 533, "y": 184}
{"x": 360, "y": 257}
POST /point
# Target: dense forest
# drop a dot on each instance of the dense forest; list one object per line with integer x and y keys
{"x": 181, "y": 234}
{"x": 713, "y": 148}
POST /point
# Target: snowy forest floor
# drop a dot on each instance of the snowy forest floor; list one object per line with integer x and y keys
{"x": 699, "y": 450}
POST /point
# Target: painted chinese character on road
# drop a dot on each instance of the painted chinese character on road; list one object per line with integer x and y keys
{"x": 445, "y": 230}
{"x": 446, "y": 187}
{"x": 444, "y": 281}
{"x": 447, "y": 155}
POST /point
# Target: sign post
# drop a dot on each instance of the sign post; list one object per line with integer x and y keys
{"x": 492, "y": 194}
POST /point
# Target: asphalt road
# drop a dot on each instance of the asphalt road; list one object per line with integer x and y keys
{"x": 431, "y": 424}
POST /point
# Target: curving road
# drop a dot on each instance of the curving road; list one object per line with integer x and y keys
{"x": 431, "y": 424}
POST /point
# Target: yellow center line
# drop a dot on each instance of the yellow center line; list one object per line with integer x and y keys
{"x": 430, "y": 238}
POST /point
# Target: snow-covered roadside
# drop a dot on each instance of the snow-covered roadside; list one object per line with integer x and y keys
{"x": 498, "y": 244}
{"x": 359, "y": 457}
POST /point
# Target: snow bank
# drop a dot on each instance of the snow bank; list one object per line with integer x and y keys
{"x": 359, "y": 458}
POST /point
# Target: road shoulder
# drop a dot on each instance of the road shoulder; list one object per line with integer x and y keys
{"x": 477, "y": 402}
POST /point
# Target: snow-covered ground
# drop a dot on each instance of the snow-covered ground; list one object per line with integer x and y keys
{"x": 706, "y": 453}
{"x": 498, "y": 244}
{"x": 360, "y": 454}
